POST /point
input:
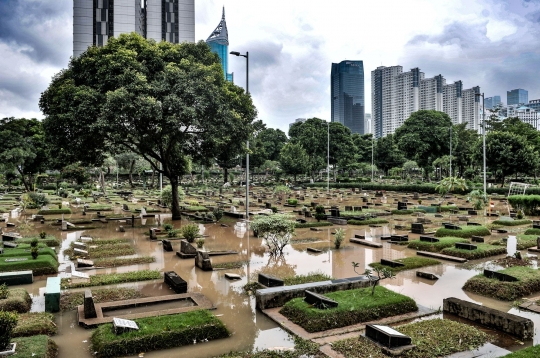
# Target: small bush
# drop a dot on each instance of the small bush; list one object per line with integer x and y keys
{"x": 34, "y": 242}
{"x": 410, "y": 263}
{"x": 367, "y": 222}
{"x": 35, "y": 323}
{"x": 112, "y": 278}
{"x": 443, "y": 243}
{"x": 36, "y": 347}
{"x": 8, "y": 321}
{"x": 218, "y": 213}
{"x": 190, "y": 232}
{"x": 292, "y": 202}
{"x": 338, "y": 238}
{"x": 407, "y": 211}
{"x": 200, "y": 243}
{"x": 167, "y": 227}
{"x": 511, "y": 222}
{"x": 532, "y": 231}
{"x": 3, "y": 291}
{"x": 483, "y": 250}
{"x": 42, "y": 235}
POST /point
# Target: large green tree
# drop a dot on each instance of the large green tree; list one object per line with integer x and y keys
{"x": 23, "y": 147}
{"x": 293, "y": 159}
{"x": 424, "y": 137}
{"x": 168, "y": 103}
{"x": 387, "y": 154}
{"x": 272, "y": 141}
{"x": 463, "y": 146}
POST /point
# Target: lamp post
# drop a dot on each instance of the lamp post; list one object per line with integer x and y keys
{"x": 236, "y": 53}
{"x": 328, "y": 159}
{"x": 372, "y": 161}
{"x": 450, "y": 151}
{"x": 483, "y": 137}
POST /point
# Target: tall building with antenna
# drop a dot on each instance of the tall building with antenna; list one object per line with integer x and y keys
{"x": 219, "y": 43}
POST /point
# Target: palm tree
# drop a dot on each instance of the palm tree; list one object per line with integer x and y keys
{"x": 449, "y": 184}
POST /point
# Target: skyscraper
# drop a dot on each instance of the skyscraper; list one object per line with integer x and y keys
{"x": 517, "y": 96}
{"x": 219, "y": 43}
{"x": 347, "y": 95}
{"x": 95, "y": 21}
{"x": 492, "y": 102}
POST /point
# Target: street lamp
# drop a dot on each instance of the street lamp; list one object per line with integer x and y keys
{"x": 328, "y": 160}
{"x": 236, "y": 53}
{"x": 483, "y": 136}
{"x": 450, "y": 151}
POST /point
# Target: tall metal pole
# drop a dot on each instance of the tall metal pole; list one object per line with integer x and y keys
{"x": 247, "y": 145}
{"x": 328, "y": 159}
{"x": 160, "y": 178}
{"x": 484, "y": 140}
{"x": 372, "y": 161}
{"x": 450, "y": 151}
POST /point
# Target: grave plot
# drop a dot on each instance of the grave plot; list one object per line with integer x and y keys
{"x": 17, "y": 300}
{"x": 476, "y": 251}
{"x": 462, "y": 231}
{"x": 20, "y": 259}
{"x": 527, "y": 283}
{"x": 404, "y": 264}
{"x": 434, "y": 244}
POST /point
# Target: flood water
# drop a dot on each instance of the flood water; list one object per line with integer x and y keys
{"x": 250, "y": 328}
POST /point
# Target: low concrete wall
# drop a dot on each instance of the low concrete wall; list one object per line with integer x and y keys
{"x": 16, "y": 278}
{"x": 278, "y": 296}
{"x": 502, "y": 321}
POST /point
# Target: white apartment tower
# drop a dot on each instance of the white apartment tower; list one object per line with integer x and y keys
{"x": 396, "y": 95}
{"x": 95, "y": 21}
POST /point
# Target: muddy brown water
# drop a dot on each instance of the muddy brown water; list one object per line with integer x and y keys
{"x": 250, "y": 328}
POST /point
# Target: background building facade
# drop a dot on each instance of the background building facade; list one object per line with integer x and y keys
{"x": 395, "y": 95}
{"x": 517, "y": 96}
{"x": 492, "y": 102}
{"x": 95, "y": 21}
{"x": 347, "y": 95}
{"x": 219, "y": 43}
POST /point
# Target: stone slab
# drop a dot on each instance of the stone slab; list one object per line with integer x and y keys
{"x": 366, "y": 243}
{"x": 16, "y": 278}
{"x": 52, "y": 295}
{"x": 319, "y": 301}
{"x": 175, "y": 282}
{"x": 441, "y": 256}
{"x": 427, "y": 275}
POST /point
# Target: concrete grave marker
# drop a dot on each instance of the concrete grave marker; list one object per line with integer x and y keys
{"x": 124, "y": 325}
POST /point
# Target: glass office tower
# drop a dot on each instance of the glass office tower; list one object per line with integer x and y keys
{"x": 219, "y": 43}
{"x": 347, "y": 95}
{"x": 517, "y": 96}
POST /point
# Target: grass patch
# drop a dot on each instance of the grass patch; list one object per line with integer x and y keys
{"x": 407, "y": 211}
{"x": 104, "y": 250}
{"x": 367, "y": 222}
{"x": 44, "y": 264}
{"x": 312, "y": 224}
{"x": 18, "y": 300}
{"x": 523, "y": 242}
{"x": 355, "y": 306}
{"x": 159, "y": 332}
{"x": 310, "y": 277}
{"x": 49, "y": 240}
{"x": 511, "y": 222}
{"x": 483, "y": 250}
{"x": 443, "y": 243}
{"x": 529, "y": 283}
{"x": 99, "y": 208}
{"x": 531, "y": 352}
{"x": 54, "y": 211}
{"x": 112, "y": 278}
{"x": 465, "y": 232}
{"x": 194, "y": 208}
{"x": 410, "y": 263}
{"x": 115, "y": 262}
{"x": 70, "y": 300}
{"x": 447, "y": 208}
{"x": 36, "y": 347}
{"x": 433, "y": 338}
{"x": 532, "y": 231}
{"x": 229, "y": 265}
{"x": 302, "y": 348}
{"x": 35, "y": 323}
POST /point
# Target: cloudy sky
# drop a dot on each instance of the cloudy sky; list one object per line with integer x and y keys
{"x": 491, "y": 43}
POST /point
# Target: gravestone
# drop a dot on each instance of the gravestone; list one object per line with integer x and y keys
{"x": 52, "y": 295}
{"x": 391, "y": 263}
{"x": 387, "y": 336}
{"x": 360, "y": 236}
{"x": 465, "y": 246}
{"x": 167, "y": 246}
{"x": 89, "y": 307}
{"x": 79, "y": 245}
{"x": 270, "y": 281}
{"x": 417, "y": 228}
{"x": 477, "y": 239}
{"x": 124, "y": 325}
{"x": 399, "y": 238}
{"x": 85, "y": 263}
{"x": 428, "y": 239}
{"x": 499, "y": 276}
{"x": 16, "y": 278}
{"x": 401, "y": 206}
{"x": 80, "y": 252}
{"x": 472, "y": 212}
{"x": 427, "y": 275}
{"x": 125, "y": 207}
{"x": 121, "y": 229}
{"x": 153, "y": 235}
{"x": 319, "y": 301}
{"x": 451, "y": 226}
{"x": 175, "y": 282}
{"x": 202, "y": 261}
{"x": 187, "y": 251}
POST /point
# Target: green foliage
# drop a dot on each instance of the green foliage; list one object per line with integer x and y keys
{"x": 113, "y": 278}
{"x": 530, "y": 352}
{"x": 200, "y": 243}
{"x": 354, "y": 306}
{"x": 190, "y": 232}
{"x": 387, "y": 154}
{"x": 431, "y": 337}
{"x": 36, "y": 200}
{"x": 276, "y": 229}
{"x": 465, "y": 232}
{"x": 530, "y": 204}
{"x": 339, "y": 237}
{"x": 35, "y": 323}
{"x": 319, "y": 213}
{"x": 308, "y": 278}
{"x": 167, "y": 196}
{"x": 54, "y": 211}
{"x": 292, "y": 201}
{"x": 532, "y": 231}
{"x": 443, "y": 243}
{"x": 409, "y": 262}
{"x": 367, "y": 222}
{"x": 8, "y": 321}
{"x": 450, "y": 184}
{"x": 44, "y": 264}
{"x": 483, "y": 250}
{"x": 511, "y": 222}
{"x": 115, "y": 262}
{"x": 69, "y": 300}
{"x": 34, "y": 252}
{"x": 42, "y": 235}
{"x": 282, "y": 190}
{"x": 382, "y": 273}
{"x": 172, "y": 233}
{"x": 17, "y": 300}
{"x": 75, "y": 172}
{"x": 34, "y": 242}
{"x": 528, "y": 283}
{"x": 168, "y": 227}
{"x": 407, "y": 211}
{"x": 3, "y": 291}
{"x": 159, "y": 332}
{"x": 218, "y": 213}
{"x": 478, "y": 199}
{"x": 293, "y": 159}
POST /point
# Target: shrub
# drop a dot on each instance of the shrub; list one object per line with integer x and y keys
{"x": 511, "y": 222}
{"x": 3, "y": 291}
{"x": 34, "y": 252}
{"x": 190, "y": 232}
{"x": 276, "y": 229}
{"x": 483, "y": 250}
{"x": 34, "y": 242}
{"x": 42, "y": 235}
{"x": 367, "y": 222}
{"x": 338, "y": 238}
{"x": 17, "y": 300}
{"x": 36, "y": 347}
{"x": 167, "y": 227}
{"x": 166, "y": 196}
{"x": 312, "y": 224}
{"x": 528, "y": 203}
{"x": 200, "y": 243}
{"x": 113, "y": 278}
{"x": 8, "y": 321}
{"x": 218, "y": 213}
{"x": 36, "y": 200}
{"x": 55, "y": 211}
{"x": 172, "y": 233}
{"x": 407, "y": 211}
{"x": 465, "y": 232}
{"x": 409, "y": 262}
{"x": 292, "y": 202}
{"x": 320, "y": 213}
{"x": 32, "y": 324}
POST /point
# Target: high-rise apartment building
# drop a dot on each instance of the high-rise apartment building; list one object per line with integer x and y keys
{"x": 347, "y": 95}
{"x": 534, "y": 104}
{"x": 396, "y": 95}
{"x": 517, "y": 96}
{"x": 492, "y": 102}
{"x": 219, "y": 43}
{"x": 95, "y": 21}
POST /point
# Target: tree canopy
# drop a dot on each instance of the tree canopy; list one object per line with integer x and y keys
{"x": 168, "y": 103}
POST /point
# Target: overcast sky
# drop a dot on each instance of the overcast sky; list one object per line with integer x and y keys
{"x": 491, "y": 43}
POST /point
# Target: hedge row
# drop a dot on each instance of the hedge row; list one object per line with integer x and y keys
{"x": 18, "y": 300}
{"x": 54, "y": 211}
{"x": 530, "y": 204}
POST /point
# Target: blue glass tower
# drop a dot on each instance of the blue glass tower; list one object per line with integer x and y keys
{"x": 517, "y": 96}
{"x": 219, "y": 43}
{"x": 347, "y": 95}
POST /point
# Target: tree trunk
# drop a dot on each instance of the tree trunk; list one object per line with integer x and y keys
{"x": 225, "y": 175}
{"x": 102, "y": 181}
{"x": 23, "y": 179}
{"x": 175, "y": 209}
{"x": 131, "y": 173}
{"x": 153, "y": 178}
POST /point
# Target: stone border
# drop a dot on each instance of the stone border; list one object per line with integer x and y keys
{"x": 200, "y": 300}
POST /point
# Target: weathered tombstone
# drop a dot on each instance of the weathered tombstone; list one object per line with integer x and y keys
{"x": 167, "y": 246}
{"x": 125, "y": 207}
{"x": 401, "y": 206}
{"x": 270, "y": 281}
{"x": 52, "y": 295}
{"x": 233, "y": 276}
{"x": 319, "y": 301}
{"x": 391, "y": 263}
{"x": 202, "y": 261}
{"x": 85, "y": 263}
{"x": 428, "y": 239}
{"x": 387, "y": 336}
{"x": 123, "y": 325}
{"x": 175, "y": 282}
{"x": 427, "y": 275}
{"x": 153, "y": 235}
{"x": 417, "y": 228}
{"x": 89, "y": 307}
{"x": 121, "y": 228}
{"x": 499, "y": 276}
{"x": 477, "y": 239}
{"x": 465, "y": 246}
{"x": 80, "y": 245}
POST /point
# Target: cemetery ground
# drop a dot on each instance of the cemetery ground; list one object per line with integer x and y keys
{"x": 124, "y": 261}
